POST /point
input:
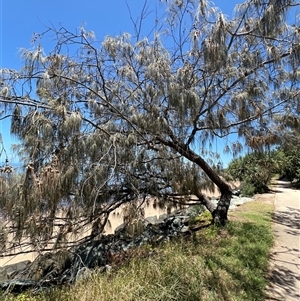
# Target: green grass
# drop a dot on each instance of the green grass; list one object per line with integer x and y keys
{"x": 215, "y": 264}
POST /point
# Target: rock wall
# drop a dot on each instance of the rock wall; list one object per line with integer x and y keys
{"x": 67, "y": 266}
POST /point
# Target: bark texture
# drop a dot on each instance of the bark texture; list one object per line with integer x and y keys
{"x": 220, "y": 213}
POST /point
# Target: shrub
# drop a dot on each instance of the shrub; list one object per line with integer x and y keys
{"x": 254, "y": 171}
{"x": 291, "y": 166}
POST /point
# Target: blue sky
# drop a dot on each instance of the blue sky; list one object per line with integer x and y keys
{"x": 21, "y": 18}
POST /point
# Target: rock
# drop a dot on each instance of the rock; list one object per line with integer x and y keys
{"x": 162, "y": 217}
{"x": 48, "y": 266}
{"x": 90, "y": 255}
{"x": 168, "y": 221}
{"x": 177, "y": 222}
{"x": 18, "y": 286}
{"x": 125, "y": 248}
{"x": 10, "y": 271}
{"x": 83, "y": 274}
{"x": 185, "y": 229}
{"x": 236, "y": 192}
{"x": 160, "y": 239}
{"x": 119, "y": 228}
{"x": 237, "y": 201}
{"x": 3, "y": 274}
{"x": 108, "y": 268}
{"x": 185, "y": 220}
{"x": 152, "y": 220}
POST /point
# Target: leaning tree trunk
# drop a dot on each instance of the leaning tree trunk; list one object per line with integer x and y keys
{"x": 219, "y": 213}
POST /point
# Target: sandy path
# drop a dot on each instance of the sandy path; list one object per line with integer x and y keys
{"x": 285, "y": 255}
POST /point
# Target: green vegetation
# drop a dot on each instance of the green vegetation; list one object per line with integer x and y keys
{"x": 289, "y": 153}
{"x": 215, "y": 264}
{"x": 291, "y": 167}
{"x": 254, "y": 171}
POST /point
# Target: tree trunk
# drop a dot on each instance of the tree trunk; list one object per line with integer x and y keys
{"x": 207, "y": 203}
{"x": 220, "y": 213}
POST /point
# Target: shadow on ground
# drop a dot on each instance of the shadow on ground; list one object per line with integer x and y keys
{"x": 289, "y": 218}
{"x": 287, "y": 184}
{"x": 284, "y": 279}
{"x": 285, "y": 273}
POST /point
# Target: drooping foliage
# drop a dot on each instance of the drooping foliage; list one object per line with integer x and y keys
{"x": 107, "y": 122}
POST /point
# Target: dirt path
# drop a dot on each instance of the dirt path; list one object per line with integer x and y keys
{"x": 285, "y": 255}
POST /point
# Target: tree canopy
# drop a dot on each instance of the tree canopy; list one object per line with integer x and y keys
{"x": 108, "y": 122}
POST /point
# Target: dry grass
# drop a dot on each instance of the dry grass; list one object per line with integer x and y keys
{"x": 262, "y": 203}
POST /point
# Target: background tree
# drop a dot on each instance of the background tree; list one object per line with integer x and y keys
{"x": 288, "y": 149}
{"x": 109, "y": 122}
{"x": 255, "y": 171}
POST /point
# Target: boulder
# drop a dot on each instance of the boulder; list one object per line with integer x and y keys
{"x": 119, "y": 228}
{"x": 10, "y": 271}
{"x": 17, "y": 286}
{"x": 152, "y": 220}
{"x": 48, "y": 266}
{"x": 83, "y": 274}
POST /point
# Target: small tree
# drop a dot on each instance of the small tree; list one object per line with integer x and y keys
{"x": 125, "y": 116}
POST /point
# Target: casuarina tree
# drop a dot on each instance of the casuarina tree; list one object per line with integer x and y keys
{"x": 107, "y": 122}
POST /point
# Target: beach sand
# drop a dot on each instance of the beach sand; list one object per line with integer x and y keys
{"x": 115, "y": 220}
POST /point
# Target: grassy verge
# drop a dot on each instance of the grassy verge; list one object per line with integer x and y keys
{"x": 215, "y": 264}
